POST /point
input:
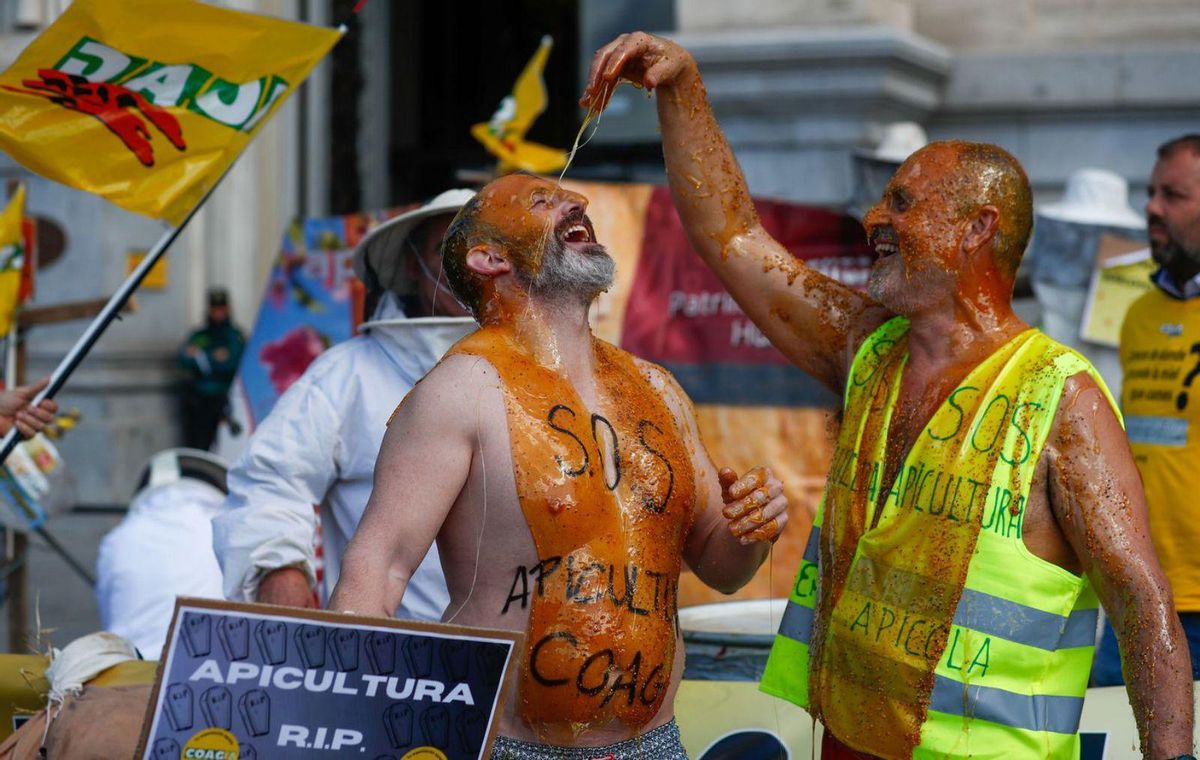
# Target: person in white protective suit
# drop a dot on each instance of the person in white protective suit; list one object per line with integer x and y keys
{"x": 319, "y": 443}
{"x": 160, "y": 549}
{"x": 1062, "y": 256}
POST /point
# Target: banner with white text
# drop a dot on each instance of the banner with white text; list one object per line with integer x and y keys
{"x": 258, "y": 682}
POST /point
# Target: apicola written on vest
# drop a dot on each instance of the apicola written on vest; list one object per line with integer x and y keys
{"x": 937, "y": 633}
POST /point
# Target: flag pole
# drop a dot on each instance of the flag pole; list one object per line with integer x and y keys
{"x": 107, "y": 315}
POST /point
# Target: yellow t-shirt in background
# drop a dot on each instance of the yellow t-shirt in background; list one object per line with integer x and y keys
{"x": 1160, "y": 397}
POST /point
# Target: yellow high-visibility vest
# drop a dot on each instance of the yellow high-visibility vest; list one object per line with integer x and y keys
{"x": 936, "y": 633}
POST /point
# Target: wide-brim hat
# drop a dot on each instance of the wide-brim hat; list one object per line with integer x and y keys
{"x": 874, "y": 167}
{"x": 1095, "y": 196}
{"x": 898, "y": 140}
{"x": 379, "y": 257}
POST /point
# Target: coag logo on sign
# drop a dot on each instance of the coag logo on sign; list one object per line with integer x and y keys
{"x": 211, "y": 744}
{"x": 425, "y": 753}
{"x": 377, "y": 687}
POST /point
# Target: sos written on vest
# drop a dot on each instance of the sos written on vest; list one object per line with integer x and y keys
{"x": 147, "y": 102}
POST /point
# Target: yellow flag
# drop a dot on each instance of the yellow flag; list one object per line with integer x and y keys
{"x": 12, "y": 257}
{"x": 146, "y": 102}
{"x": 504, "y": 134}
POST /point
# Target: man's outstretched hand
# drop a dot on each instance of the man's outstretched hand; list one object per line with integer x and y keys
{"x": 642, "y": 59}
{"x": 16, "y": 408}
{"x": 755, "y": 507}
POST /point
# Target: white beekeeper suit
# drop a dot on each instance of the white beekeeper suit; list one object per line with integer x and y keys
{"x": 319, "y": 443}
{"x": 161, "y": 549}
{"x": 1062, "y": 256}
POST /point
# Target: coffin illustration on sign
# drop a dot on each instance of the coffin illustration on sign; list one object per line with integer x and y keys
{"x": 271, "y": 636}
{"x": 197, "y": 634}
{"x": 398, "y": 720}
{"x": 166, "y": 749}
{"x": 344, "y": 647}
{"x": 234, "y": 634}
{"x": 310, "y": 643}
{"x": 418, "y": 654}
{"x": 454, "y": 660}
{"x": 381, "y": 652}
{"x": 178, "y": 706}
{"x": 471, "y": 725}
{"x": 216, "y": 704}
{"x": 490, "y": 660}
{"x": 255, "y": 709}
{"x": 435, "y": 725}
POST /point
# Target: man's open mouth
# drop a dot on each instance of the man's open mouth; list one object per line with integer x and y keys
{"x": 884, "y": 242}
{"x": 576, "y": 229}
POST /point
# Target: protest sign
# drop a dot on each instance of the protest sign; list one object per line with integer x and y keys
{"x": 257, "y": 681}
{"x": 1121, "y": 276}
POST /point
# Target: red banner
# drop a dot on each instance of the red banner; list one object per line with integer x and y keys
{"x": 680, "y": 314}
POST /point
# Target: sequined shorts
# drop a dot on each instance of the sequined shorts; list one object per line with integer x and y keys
{"x": 662, "y": 743}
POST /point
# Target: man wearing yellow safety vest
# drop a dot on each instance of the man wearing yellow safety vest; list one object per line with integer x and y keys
{"x": 982, "y": 501}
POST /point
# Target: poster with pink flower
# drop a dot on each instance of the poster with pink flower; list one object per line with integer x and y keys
{"x": 312, "y": 301}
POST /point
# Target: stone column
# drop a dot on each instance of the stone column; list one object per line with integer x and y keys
{"x": 796, "y": 101}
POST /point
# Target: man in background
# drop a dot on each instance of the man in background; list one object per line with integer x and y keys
{"x": 319, "y": 443}
{"x": 1160, "y": 359}
{"x": 210, "y": 357}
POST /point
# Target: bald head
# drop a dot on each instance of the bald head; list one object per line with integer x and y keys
{"x": 501, "y": 213}
{"x": 982, "y": 174}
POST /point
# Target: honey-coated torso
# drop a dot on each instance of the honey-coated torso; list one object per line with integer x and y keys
{"x": 606, "y": 492}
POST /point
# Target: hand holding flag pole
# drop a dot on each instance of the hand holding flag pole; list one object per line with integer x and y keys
{"x": 107, "y": 315}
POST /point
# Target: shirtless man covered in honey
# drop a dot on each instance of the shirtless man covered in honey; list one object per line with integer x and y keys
{"x": 565, "y": 483}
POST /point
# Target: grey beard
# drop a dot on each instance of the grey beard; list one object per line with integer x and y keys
{"x": 580, "y": 275}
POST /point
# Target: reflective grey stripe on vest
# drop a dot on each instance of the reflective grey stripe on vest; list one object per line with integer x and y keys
{"x": 812, "y": 551}
{"x": 798, "y": 619}
{"x": 1031, "y": 712}
{"x": 1013, "y": 621}
{"x": 797, "y": 622}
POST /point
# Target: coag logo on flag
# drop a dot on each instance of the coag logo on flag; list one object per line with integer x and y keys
{"x": 116, "y": 107}
{"x": 12, "y": 257}
{"x": 504, "y": 134}
{"x": 147, "y": 102}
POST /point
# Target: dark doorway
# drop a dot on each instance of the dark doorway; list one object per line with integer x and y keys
{"x": 452, "y": 62}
